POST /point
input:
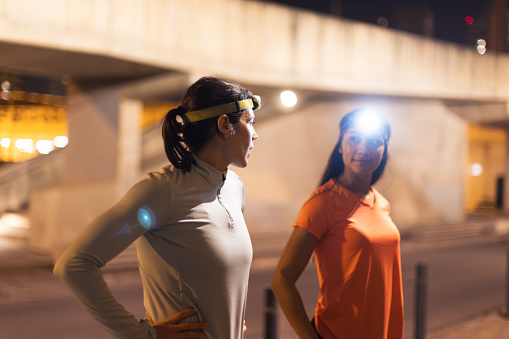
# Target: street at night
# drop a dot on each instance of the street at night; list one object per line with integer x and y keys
{"x": 466, "y": 280}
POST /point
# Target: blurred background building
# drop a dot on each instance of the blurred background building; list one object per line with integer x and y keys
{"x": 84, "y": 85}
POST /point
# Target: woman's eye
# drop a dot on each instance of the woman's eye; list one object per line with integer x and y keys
{"x": 355, "y": 139}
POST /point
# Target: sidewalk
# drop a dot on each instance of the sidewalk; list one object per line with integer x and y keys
{"x": 489, "y": 326}
{"x": 25, "y": 275}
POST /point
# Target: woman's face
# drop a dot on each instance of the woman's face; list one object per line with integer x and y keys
{"x": 361, "y": 153}
{"x": 241, "y": 139}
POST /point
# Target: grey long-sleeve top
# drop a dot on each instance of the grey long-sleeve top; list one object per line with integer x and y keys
{"x": 193, "y": 248}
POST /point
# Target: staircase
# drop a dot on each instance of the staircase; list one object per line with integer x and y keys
{"x": 469, "y": 228}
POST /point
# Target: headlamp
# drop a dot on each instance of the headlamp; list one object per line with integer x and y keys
{"x": 367, "y": 122}
{"x": 254, "y": 102}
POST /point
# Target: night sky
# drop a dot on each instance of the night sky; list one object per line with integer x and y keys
{"x": 449, "y": 21}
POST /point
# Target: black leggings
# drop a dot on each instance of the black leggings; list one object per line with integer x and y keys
{"x": 314, "y": 327}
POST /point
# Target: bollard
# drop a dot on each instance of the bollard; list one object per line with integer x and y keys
{"x": 507, "y": 288}
{"x": 420, "y": 302}
{"x": 270, "y": 315}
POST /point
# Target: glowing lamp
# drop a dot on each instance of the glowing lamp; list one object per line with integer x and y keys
{"x": 476, "y": 169}
{"x": 5, "y": 142}
{"x": 368, "y": 122}
{"x": 44, "y": 146}
{"x": 25, "y": 145}
{"x": 60, "y": 141}
{"x": 288, "y": 99}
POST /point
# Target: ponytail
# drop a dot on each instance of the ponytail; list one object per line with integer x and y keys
{"x": 172, "y": 131}
{"x": 183, "y": 138}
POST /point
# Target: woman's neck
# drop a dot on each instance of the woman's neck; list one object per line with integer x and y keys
{"x": 211, "y": 154}
{"x": 359, "y": 185}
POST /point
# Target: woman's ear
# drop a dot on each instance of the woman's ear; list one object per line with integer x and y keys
{"x": 224, "y": 126}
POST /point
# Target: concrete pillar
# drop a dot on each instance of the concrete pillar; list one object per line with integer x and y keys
{"x": 102, "y": 162}
{"x": 128, "y": 166}
{"x": 93, "y": 119}
{"x": 104, "y": 138}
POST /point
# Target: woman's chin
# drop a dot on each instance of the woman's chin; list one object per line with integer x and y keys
{"x": 240, "y": 164}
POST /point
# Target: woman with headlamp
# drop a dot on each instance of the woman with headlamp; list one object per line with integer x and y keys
{"x": 193, "y": 247}
{"x": 346, "y": 224}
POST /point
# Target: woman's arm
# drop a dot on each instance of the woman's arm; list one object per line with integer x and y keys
{"x": 143, "y": 208}
{"x": 79, "y": 268}
{"x": 294, "y": 259}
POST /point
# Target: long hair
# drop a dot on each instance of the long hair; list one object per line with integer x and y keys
{"x": 335, "y": 165}
{"x": 181, "y": 139}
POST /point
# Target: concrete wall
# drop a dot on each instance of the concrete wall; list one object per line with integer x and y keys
{"x": 259, "y": 43}
{"x": 424, "y": 180}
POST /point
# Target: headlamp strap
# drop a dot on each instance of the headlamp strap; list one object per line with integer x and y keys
{"x": 216, "y": 111}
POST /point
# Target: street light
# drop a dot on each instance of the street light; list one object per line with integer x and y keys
{"x": 481, "y": 46}
{"x": 288, "y": 99}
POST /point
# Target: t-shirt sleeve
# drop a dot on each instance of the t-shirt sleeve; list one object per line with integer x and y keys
{"x": 313, "y": 215}
{"x": 143, "y": 208}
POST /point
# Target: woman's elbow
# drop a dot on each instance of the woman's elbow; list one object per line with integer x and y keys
{"x": 68, "y": 268}
{"x": 61, "y": 269}
{"x": 279, "y": 281}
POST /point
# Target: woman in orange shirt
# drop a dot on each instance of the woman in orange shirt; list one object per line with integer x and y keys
{"x": 347, "y": 225}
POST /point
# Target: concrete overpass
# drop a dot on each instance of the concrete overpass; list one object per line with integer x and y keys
{"x": 121, "y": 53}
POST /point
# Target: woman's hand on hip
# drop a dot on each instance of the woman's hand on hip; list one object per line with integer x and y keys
{"x": 170, "y": 328}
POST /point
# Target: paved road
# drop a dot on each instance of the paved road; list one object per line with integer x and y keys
{"x": 466, "y": 279}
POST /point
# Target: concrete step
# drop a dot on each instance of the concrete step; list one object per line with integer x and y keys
{"x": 454, "y": 231}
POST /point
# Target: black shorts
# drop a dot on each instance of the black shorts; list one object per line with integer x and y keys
{"x": 314, "y": 327}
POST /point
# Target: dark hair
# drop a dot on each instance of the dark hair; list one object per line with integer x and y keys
{"x": 335, "y": 165}
{"x": 182, "y": 139}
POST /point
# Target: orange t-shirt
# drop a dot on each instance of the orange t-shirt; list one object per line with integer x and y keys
{"x": 358, "y": 263}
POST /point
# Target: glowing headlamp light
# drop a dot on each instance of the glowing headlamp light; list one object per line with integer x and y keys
{"x": 367, "y": 122}
{"x": 254, "y": 102}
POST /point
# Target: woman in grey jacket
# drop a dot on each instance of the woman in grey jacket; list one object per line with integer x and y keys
{"x": 193, "y": 246}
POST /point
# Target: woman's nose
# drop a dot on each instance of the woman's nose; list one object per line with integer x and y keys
{"x": 363, "y": 147}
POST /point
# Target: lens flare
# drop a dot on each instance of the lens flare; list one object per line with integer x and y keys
{"x": 146, "y": 217}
